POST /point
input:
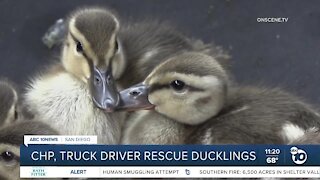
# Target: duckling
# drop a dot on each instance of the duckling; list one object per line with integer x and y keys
{"x": 196, "y": 104}
{"x": 64, "y": 94}
{"x": 14, "y": 126}
{"x": 175, "y": 88}
{"x": 8, "y": 102}
{"x": 11, "y": 137}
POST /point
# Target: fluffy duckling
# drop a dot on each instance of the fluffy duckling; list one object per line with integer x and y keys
{"x": 62, "y": 95}
{"x": 186, "y": 90}
{"x": 11, "y": 137}
{"x": 194, "y": 104}
{"x": 12, "y": 129}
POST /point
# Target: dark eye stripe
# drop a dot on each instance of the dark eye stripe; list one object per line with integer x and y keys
{"x": 74, "y": 38}
{"x": 156, "y": 87}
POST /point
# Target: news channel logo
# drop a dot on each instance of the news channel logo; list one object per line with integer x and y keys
{"x": 298, "y": 156}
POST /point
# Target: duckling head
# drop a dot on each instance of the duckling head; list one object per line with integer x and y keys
{"x": 8, "y": 102}
{"x": 93, "y": 53}
{"x": 189, "y": 88}
{"x": 11, "y": 137}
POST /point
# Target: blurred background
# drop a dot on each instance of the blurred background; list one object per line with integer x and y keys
{"x": 270, "y": 54}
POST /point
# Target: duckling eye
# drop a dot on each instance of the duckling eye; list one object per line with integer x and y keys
{"x": 7, "y": 156}
{"x": 79, "y": 47}
{"x": 177, "y": 85}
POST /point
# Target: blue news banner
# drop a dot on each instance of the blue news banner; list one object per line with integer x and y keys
{"x": 170, "y": 155}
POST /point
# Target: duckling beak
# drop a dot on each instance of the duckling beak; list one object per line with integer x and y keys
{"x": 135, "y": 98}
{"x": 103, "y": 89}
